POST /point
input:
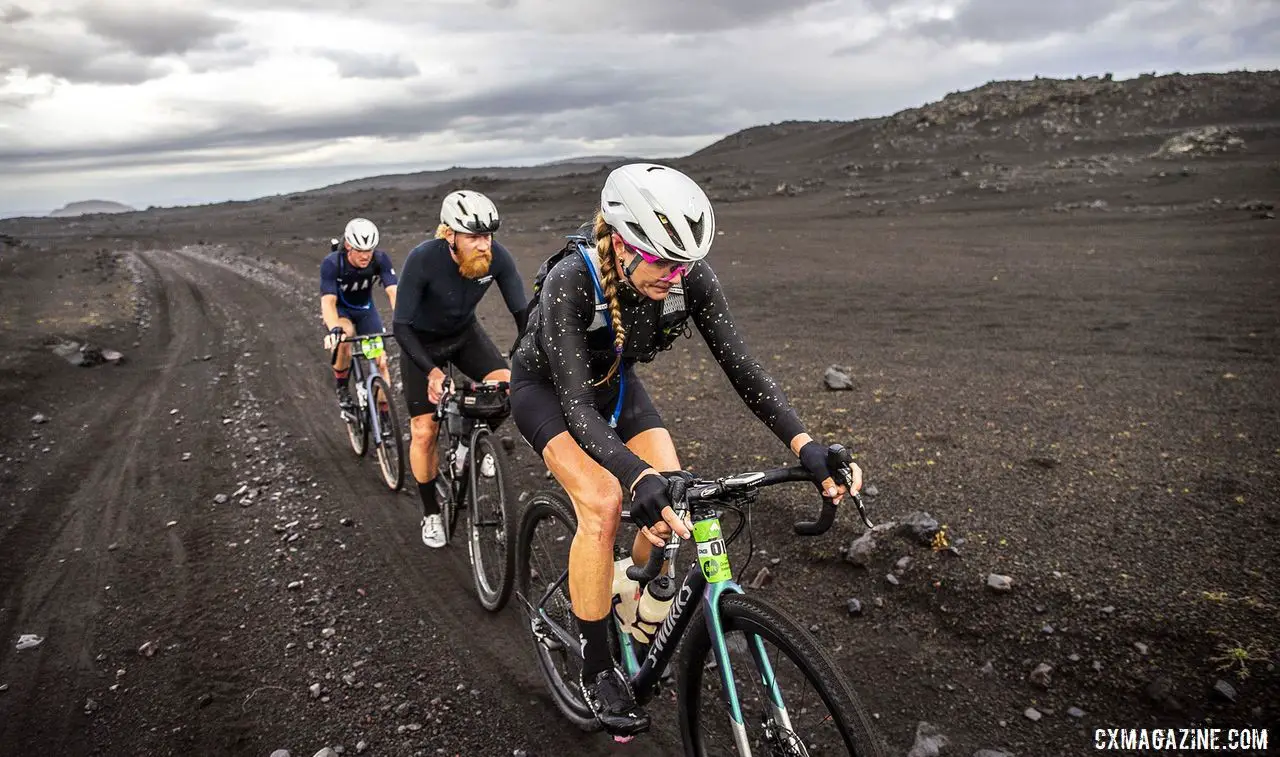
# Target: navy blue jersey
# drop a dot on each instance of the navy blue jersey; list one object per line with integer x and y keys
{"x": 354, "y": 286}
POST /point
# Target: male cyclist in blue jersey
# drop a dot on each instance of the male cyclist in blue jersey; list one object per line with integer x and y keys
{"x": 347, "y": 276}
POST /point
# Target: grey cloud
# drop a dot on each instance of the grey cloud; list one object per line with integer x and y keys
{"x": 72, "y": 58}
{"x": 667, "y": 16}
{"x": 14, "y": 14}
{"x": 152, "y": 30}
{"x": 1005, "y": 21}
{"x": 416, "y": 111}
{"x": 15, "y": 100}
{"x": 225, "y": 54}
{"x": 353, "y": 65}
{"x": 1014, "y": 20}
{"x": 567, "y": 16}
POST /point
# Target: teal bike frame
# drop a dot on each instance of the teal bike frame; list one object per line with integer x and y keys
{"x": 708, "y": 578}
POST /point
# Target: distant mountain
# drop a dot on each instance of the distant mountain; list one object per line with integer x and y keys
{"x": 23, "y": 213}
{"x": 611, "y": 159}
{"x": 86, "y": 207}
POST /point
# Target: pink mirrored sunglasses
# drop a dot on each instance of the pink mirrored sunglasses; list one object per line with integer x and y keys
{"x": 673, "y": 269}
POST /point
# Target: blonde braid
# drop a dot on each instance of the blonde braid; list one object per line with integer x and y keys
{"x": 609, "y": 284}
{"x": 441, "y": 230}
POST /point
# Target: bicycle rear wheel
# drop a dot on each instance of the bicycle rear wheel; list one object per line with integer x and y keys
{"x": 832, "y": 722}
{"x": 390, "y": 447}
{"x": 542, "y": 556}
{"x": 491, "y": 521}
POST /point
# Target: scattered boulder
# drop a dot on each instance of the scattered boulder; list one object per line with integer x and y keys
{"x": 919, "y": 527}
{"x": 837, "y": 379}
{"x": 929, "y": 741}
{"x": 997, "y": 582}
{"x": 1160, "y": 692}
{"x": 1224, "y": 690}
{"x": 1041, "y": 674}
{"x": 864, "y": 547}
{"x": 1206, "y": 140}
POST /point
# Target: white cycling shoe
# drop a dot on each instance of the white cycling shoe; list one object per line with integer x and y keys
{"x": 433, "y": 531}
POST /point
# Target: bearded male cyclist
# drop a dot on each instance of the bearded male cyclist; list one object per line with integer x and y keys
{"x": 435, "y": 324}
{"x": 347, "y": 276}
{"x": 576, "y": 399}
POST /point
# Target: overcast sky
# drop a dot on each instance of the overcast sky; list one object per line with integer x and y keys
{"x": 199, "y": 101}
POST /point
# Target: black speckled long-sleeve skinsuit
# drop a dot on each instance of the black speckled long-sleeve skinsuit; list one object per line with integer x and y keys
{"x": 570, "y": 346}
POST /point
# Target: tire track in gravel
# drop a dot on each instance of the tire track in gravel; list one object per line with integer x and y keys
{"x": 85, "y": 557}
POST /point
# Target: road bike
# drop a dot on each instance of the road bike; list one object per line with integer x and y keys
{"x": 754, "y": 705}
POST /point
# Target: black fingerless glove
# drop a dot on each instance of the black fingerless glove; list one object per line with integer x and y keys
{"x": 648, "y": 500}
{"x": 813, "y": 457}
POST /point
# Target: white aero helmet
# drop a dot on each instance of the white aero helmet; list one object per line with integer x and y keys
{"x": 659, "y": 210}
{"x": 361, "y": 234}
{"x": 469, "y": 212}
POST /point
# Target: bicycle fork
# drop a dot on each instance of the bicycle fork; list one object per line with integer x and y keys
{"x": 715, "y": 567}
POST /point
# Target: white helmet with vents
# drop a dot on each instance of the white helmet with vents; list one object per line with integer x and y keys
{"x": 659, "y": 210}
{"x": 361, "y": 234}
{"x": 469, "y": 212}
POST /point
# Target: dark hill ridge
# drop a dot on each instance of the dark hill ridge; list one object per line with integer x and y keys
{"x": 1037, "y": 112}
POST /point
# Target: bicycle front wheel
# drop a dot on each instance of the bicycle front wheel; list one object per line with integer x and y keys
{"x": 794, "y": 700}
{"x": 542, "y": 556}
{"x": 390, "y": 444}
{"x": 446, "y": 482}
{"x": 491, "y": 522}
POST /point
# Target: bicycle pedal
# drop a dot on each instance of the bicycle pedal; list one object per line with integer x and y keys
{"x": 623, "y": 739}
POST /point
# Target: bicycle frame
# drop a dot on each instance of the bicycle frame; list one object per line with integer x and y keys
{"x": 470, "y": 430}
{"x": 644, "y": 677}
{"x": 365, "y": 350}
{"x": 450, "y": 439}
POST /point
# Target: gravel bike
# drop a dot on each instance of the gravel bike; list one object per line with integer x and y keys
{"x": 372, "y": 390}
{"x": 475, "y": 476}
{"x": 719, "y": 698}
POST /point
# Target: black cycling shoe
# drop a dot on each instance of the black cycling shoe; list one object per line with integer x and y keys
{"x": 344, "y": 398}
{"x": 613, "y": 704}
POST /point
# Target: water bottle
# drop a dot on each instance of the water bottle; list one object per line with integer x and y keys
{"x": 655, "y": 603}
{"x": 626, "y": 593}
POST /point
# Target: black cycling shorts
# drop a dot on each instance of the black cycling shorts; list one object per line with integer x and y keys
{"x": 471, "y": 352}
{"x": 535, "y": 407}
